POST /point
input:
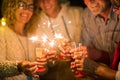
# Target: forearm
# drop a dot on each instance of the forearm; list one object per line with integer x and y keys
{"x": 105, "y": 72}
{"x": 99, "y": 56}
{"x": 104, "y": 58}
{"x": 98, "y": 69}
{"x": 8, "y": 69}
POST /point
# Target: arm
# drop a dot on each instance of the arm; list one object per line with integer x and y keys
{"x": 12, "y": 68}
{"x": 94, "y": 54}
{"x": 87, "y": 65}
{"x": 8, "y": 69}
{"x": 105, "y": 72}
{"x": 98, "y": 55}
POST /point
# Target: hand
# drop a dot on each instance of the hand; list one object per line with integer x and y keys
{"x": 29, "y": 68}
{"x": 77, "y": 65}
{"x": 66, "y": 50}
{"x": 84, "y": 65}
{"x": 42, "y": 61}
{"x": 94, "y": 54}
{"x": 79, "y": 52}
{"x": 51, "y": 55}
{"x": 42, "y": 65}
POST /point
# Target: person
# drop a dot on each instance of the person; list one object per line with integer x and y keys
{"x": 16, "y": 61}
{"x": 88, "y": 66}
{"x": 91, "y": 67}
{"x": 100, "y": 31}
{"x": 116, "y": 4}
{"x": 85, "y": 64}
{"x": 56, "y": 18}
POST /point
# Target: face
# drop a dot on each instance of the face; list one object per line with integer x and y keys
{"x": 24, "y": 11}
{"x": 116, "y": 6}
{"x": 49, "y": 6}
{"x": 97, "y": 6}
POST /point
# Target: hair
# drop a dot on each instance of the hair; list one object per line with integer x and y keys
{"x": 37, "y": 7}
{"x": 35, "y": 18}
{"x": 115, "y": 2}
{"x": 8, "y": 10}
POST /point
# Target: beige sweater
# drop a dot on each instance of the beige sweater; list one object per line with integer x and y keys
{"x": 69, "y": 17}
{"x": 14, "y": 48}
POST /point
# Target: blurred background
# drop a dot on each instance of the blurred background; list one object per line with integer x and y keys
{"x": 0, "y": 8}
{"x": 72, "y": 3}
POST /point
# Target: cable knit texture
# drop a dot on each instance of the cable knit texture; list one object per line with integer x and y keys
{"x": 11, "y": 51}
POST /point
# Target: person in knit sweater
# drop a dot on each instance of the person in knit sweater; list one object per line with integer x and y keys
{"x": 16, "y": 61}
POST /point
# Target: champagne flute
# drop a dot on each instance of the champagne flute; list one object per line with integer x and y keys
{"x": 40, "y": 52}
{"x": 78, "y": 55}
{"x": 66, "y": 48}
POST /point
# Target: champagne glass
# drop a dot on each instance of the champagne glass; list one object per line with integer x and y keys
{"x": 77, "y": 55}
{"x": 52, "y": 52}
{"x": 40, "y": 52}
{"x": 66, "y": 48}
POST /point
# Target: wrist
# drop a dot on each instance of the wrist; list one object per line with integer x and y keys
{"x": 90, "y": 66}
{"x": 19, "y": 67}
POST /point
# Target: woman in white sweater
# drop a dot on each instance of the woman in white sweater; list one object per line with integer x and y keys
{"x": 16, "y": 56}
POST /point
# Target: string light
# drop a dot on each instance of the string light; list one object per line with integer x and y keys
{"x": 3, "y": 21}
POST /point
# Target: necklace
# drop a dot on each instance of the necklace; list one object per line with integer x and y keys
{"x": 24, "y": 44}
{"x": 65, "y": 26}
{"x": 66, "y": 29}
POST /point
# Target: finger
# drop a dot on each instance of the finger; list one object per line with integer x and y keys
{"x": 41, "y": 59}
{"x": 72, "y": 70}
{"x": 35, "y": 75}
{"x": 33, "y": 63}
{"x": 33, "y": 69}
{"x": 51, "y": 56}
{"x": 78, "y": 63}
{"x": 41, "y": 64}
{"x": 83, "y": 47}
{"x": 72, "y": 65}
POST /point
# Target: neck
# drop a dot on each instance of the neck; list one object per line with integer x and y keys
{"x": 19, "y": 29}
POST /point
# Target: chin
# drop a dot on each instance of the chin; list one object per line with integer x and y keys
{"x": 96, "y": 12}
{"x": 24, "y": 22}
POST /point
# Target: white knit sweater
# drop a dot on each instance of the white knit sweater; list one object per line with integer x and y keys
{"x": 13, "y": 48}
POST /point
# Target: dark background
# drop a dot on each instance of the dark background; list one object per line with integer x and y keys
{"x": 72, "y": 2}
{"x": 77, "y": 3}
{"x": 0, "y": 8}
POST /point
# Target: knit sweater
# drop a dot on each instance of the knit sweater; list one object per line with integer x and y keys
{"x": 13, "y": 48}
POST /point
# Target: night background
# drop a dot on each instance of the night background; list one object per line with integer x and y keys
{"x": 72, "y": 2}
{"x": 0, "y": 8}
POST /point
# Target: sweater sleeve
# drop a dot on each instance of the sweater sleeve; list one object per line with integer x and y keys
{"x": 7, "y": 68}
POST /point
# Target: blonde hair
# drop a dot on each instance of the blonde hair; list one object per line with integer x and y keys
{"x": 8, "y": 10}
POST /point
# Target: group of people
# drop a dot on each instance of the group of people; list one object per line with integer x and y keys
{"x": 97, "y": 27}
